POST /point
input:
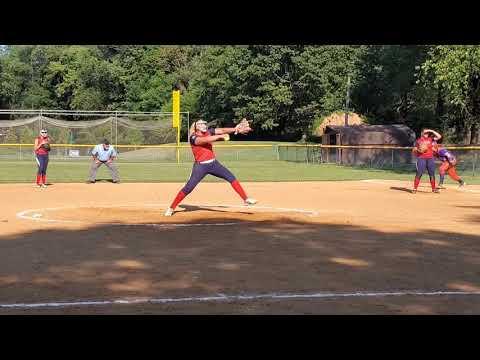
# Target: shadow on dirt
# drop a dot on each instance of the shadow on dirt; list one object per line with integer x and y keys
{"x": 254, "y": 257}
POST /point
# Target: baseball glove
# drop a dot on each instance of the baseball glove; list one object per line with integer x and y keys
{"x": 46, "y": 146}
{"x": 422, "y": 148}
{"x": 243, "y": 127}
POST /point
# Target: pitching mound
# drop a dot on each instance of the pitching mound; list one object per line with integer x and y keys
{"x": 153, "y": 214}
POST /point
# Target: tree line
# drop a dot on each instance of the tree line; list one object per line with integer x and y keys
{"x": 285, "y": 90}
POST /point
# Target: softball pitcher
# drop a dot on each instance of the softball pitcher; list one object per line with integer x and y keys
{"x": 201, "y": 139}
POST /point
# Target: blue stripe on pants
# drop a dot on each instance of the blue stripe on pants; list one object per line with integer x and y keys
{"x": 42, "y": 161}
{"x": 199, "y": 171}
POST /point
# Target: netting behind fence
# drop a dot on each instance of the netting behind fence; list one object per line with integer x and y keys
{"x": 128, "y": 128}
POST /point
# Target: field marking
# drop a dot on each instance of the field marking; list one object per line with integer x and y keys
{"x": 38, "y": 217}
{"x": 390, "y": 182}
{"x": 251, "y": 297}
{"x": 450, "y": 187}
{"x": 385, "y": 182}
{"x": 381, "y": 181}
{"x": 37, "y": 214}
{"x": 462, "y": 189}
{"x": 302, "y": 211}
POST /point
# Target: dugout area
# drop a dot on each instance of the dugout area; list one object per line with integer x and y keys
{"x": 352, "y": 247}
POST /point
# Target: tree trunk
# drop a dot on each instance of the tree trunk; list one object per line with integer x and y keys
{"x": 466, "y": 135}
{"x": 474, "y": 134}
{"x": 440, "y": 106}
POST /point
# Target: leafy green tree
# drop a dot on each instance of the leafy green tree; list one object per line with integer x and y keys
{"x": 386, "y": 90}
{"x": 455, "y": 71}
{"x": 282, "y": 88}
{"x": 13, "y": 73}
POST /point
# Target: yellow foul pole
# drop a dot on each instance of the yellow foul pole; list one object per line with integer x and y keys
{"x": 176, "y": 118}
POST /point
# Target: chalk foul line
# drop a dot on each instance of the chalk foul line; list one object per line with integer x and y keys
{"x": 226, "y": 298}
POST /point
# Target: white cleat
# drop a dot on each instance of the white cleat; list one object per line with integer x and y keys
{"x": 44, "y": 186}
{"x": 169, "y": 212}
{"x": 250, "y": 201}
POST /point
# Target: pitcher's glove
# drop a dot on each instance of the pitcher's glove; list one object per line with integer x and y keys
{"x": 422, "y": 148}
{"x": 46, "y": 146}
{"x": 243, "y": 127}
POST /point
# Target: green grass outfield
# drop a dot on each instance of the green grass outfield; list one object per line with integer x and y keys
{"x": 63, "y": 171}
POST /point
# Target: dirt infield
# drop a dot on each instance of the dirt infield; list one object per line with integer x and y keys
{"x": 328, "y": 247}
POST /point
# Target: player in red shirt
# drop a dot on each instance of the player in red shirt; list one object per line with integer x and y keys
{"x": 41, "y": 148}
{"x": 424, "y": 150}
{"x": 201, "y": 139}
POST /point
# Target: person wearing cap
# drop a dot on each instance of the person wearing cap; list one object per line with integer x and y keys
{"x": 103, "y": 154}
{"x": 201, "y": 140}
{"x": 41, "y": 149}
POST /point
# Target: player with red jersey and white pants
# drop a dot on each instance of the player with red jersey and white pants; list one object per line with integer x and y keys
{"x": 424, "y": 150}
{"x": 201, "y": 139}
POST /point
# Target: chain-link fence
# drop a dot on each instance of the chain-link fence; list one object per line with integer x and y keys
{"x": 378, "y": 157}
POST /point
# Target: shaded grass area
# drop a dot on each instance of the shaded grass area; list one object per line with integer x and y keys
{"x": 62, "y": 171}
